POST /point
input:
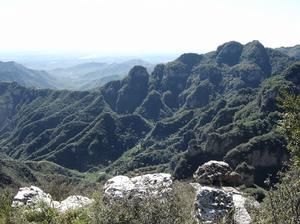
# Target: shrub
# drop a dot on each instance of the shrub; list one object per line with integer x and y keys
{"x": 176, "y": 208}
{"x": 5, "y": 206}
{"x": 282, "y": 205}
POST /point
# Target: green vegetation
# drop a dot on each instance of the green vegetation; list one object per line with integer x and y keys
{"x": 282, "y": 202}
{"x": 13, "y": 72}
{"x": 283, "y": 199}
{"x": 176, "y": 208}
{"x": 291, "y": 126}
{"x": 291, "y": 51}
{"x": 219, "y": 105}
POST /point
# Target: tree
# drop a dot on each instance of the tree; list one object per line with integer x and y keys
{"x": 290, "y": 124}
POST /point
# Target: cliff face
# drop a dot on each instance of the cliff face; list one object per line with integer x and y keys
{"x": 220, "y": 105}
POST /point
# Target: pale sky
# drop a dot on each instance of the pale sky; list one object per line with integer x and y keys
{"x": 145, "y": 26}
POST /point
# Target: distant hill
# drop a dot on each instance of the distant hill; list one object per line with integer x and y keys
{"x": 291, "y": 51}
{"x": 220, "y": 105}
{"x": 15, "y": 174}
{"x": 93, "y": 74}
{"x": 13, "y": 72}
{"x": 79, "y": 77}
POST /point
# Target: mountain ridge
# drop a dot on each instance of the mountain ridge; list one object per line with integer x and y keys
{"x": 220, "y": 105}
{"x": 13, "y": 72}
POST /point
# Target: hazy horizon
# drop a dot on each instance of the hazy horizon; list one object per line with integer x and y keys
{"x": 141, "y": 27}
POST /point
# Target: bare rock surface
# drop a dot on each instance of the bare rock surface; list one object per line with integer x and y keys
{"x": 216, "y": 173}
{"x": 74, "y": 202}
{"x": 213, "y": 204}
{"x": 148, "y": 185}
{"x": 33, "y": 197}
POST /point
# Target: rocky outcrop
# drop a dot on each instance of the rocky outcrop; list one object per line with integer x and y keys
{"x": 219, "y": 203}
{"x": 292, "y": 73}
{"x": 199, "y": 97}
{"x": 33, "y": 197}
{"x": 216, "y": 173}
{"x": 229, "y": 53}
{"x": 149, "y": 185}
{"x": 213, "y": 204}
{"x": 255, "y": 52}
{"x": 153, "y": 108}
{"x": 73, "y": 202}
{"x": 134, "y": 90}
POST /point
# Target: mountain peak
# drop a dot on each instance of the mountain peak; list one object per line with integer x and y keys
{"x": 229, "y": 53}
{"x": 190, "y": 59}
{"x": 255, "y": 52}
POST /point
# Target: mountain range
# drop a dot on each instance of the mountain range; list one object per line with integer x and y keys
{"x": 291, "y": 51}
{"x": 94, "y": 74}
{"x": 78, "y": 77}
{"x": 220, "y": 105}
{"x": 14, "y": 72}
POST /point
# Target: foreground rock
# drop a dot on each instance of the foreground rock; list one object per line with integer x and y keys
{"x": 33, "y": 197}
{"x": 213, "y": 204}
{"x": 73, "y": 202}
{"x": 217, "y": 173}
{"x": 149, "y": 185}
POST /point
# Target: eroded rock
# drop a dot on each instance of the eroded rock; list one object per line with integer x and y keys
{"x": 74, "y": 202}
{"x": 33, "y": 197}
{"x": 216, "y": 173}
{"x": 149, "y": 185}
{"x": 214, "y": 204}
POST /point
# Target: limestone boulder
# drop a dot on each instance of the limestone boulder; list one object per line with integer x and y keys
{"x": 33, "y": 198}
{"x": 149, "y": 185}
{"x": 213, "y": 204}
{"x": 216, "y": 173}
{"x": 74, "y": 202}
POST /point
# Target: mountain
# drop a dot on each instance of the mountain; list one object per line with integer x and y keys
{"x": 15, "y": 174}
{"x": 291, "y": 51}
{"x": 13, "y": 72}
{"x": 93, "y": 74}
{"x": 220, "y": 105}
{"x": 79, "y": 77}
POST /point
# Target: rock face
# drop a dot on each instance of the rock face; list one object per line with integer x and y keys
{"x": 216, "y": 203}
{"x": 73, "y": 202}
{"x": 149, "y": 185}
{"x": 216, "y": 173}
{"x": 32, "y": 197}
{"x": 213, "y": 204}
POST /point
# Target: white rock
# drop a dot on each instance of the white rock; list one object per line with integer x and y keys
{"x": 73, "y": 202}
{"x": 141, "y": 186}
{"x": 241, "y": 215}
{"x": 216, "y": 173}
{"x": 118, "y": 187}
{"x": 32, "y": 197}
{"x": 213, "y": 203}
